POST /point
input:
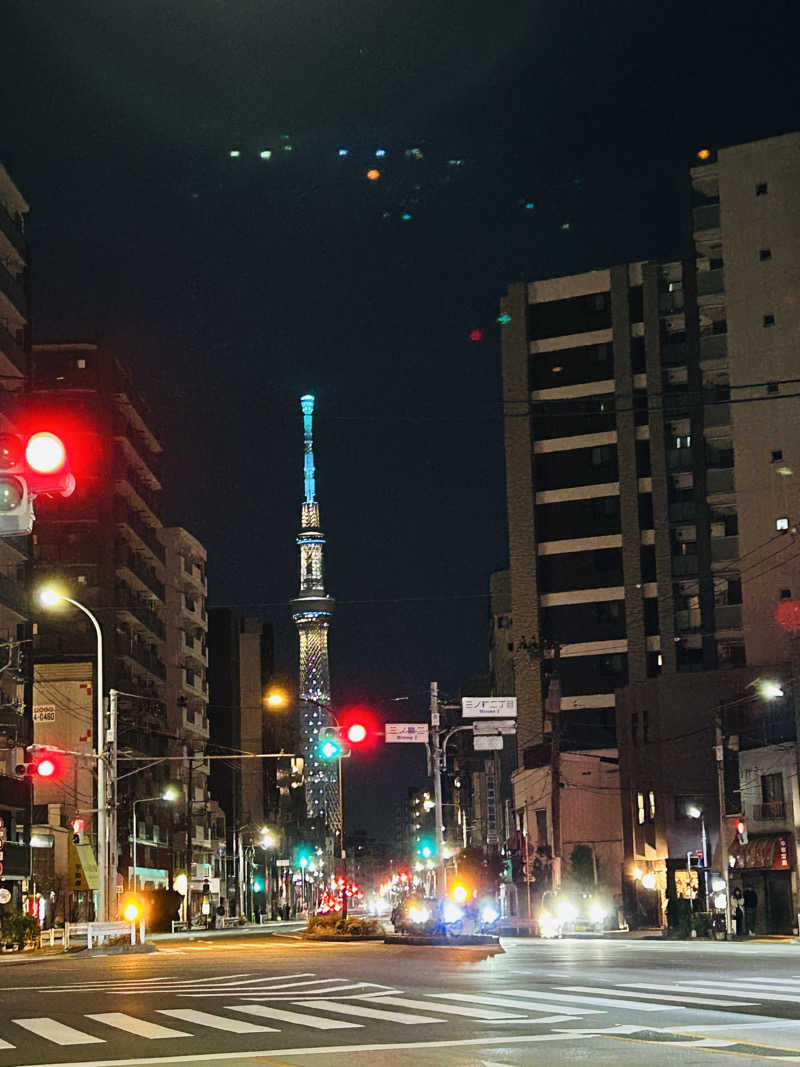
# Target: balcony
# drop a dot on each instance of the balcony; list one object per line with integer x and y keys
{"x": 124, "y": 472}
{"x": 719, "y": 480}
{"x": 774, "y": 811}
{"x": 12, "y": 229}
{"x": 144, "y": 455}
{"x": 723, "y": 548}
{"x": 710, "y": 282}
{"x": 140, "y": 652}
{"x": 14, "y": 596}
{"x": 13, "y": 290}
{"x": 713, "y": 346}
{"x": 127, "y": 600}
{"x": 706, "y": 217}
{"x": 136, "y": 565}
{"x": 728, "y": 616}
{"x": 683, "y": 565}
{"x": 124, "y": 515}
{"x": 11, "y": 347}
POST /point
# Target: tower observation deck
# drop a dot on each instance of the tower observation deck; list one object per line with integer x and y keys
{"x": 312, "y": 609}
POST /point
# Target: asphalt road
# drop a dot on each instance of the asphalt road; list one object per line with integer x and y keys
{"x": 277, "y": 1000}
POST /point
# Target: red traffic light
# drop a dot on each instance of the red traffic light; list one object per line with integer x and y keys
{"x": 46, "y": 767}
{"x": 740, "y": 827}
{"x": 356, "y": 733}
{"x": 45, "y": 453}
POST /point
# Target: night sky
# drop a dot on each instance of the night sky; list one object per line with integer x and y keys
{"x": 232, "y": 286}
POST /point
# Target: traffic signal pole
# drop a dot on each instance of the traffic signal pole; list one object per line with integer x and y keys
{"x": 723, "y": 833}
{"x": 436, "y": 760}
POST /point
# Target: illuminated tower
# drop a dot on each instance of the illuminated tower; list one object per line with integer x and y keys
{"x": 311, "y": 611}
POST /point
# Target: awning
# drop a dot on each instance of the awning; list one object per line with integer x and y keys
{"x": 772, "y": 852}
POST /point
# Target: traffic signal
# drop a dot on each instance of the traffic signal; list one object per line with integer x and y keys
{"x": 741, "y": 832}
{"x": 78, "y": 830}
{"x": 30, "y": 465}
{"x": 258, "y": 884}
{"x": 330, "y": 745}
{"x": 426, "y": 848}
{"x": 39, "y": 765}
{"x": 356, "y": 733}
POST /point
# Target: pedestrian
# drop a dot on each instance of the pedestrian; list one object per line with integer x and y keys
{"x": 737, "y": 907}
{"x": 750, "y": 898}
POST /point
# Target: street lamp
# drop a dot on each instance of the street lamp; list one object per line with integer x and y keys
{"x": 168, "y": 795}
{"x": 49, "y": 597}
{"x": 276, "y": 698}
{"x": 695, "y": 813}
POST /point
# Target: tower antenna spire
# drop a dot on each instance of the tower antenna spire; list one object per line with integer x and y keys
{"x": 312, "y": 609}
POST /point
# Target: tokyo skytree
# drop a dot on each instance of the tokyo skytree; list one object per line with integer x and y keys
{"x": 312, "y": 610}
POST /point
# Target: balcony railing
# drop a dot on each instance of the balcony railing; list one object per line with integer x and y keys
{"x": 724, "y": 548}
{"x": 137, "y": 566}
{"x": 127, "y": 600}
{"x": 706, "y": 217}
{"x": 11, "y": 346}
{"x": 770, "y": 812}
{"x": 143, "y": 655}
{"x": 12, "y": 288}
{"x": 14, "y": 596}
{"x": 124, "y": 471}
{"x": 124, "y": 514}
{"x": 719, "y": 480}
{"x": 728, "y": 616}
{"x": 713, "y": 346}
{"x": 12, "y": 229}
{"x": 710, "y": 282}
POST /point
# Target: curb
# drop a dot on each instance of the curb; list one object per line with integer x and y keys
{"x": 465, "y": 941}
{"x": 344, "y": 937}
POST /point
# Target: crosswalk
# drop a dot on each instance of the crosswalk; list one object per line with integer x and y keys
{"x": 245, "y": 1005}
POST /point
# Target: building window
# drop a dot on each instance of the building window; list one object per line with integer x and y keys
{"x": 640, "y": 807}
{"x": 772, "y": 788}
{"x": 764, "y": 254}
{"x": 541, "y": 825}
{"x": 645, "y": 729}
{"x": 761, "y": 189}
{"x": 607, "y": 610}
{"x": 773, "y": 387}
{"x": 777, "y": 455}
{"x": 782, "y": 523}
{"x": 786, "y": 594}
{"x": 652, "y": 798}
{"x": 769, "y": 320}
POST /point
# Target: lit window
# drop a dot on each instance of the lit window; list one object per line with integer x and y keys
{"x": 782, "y": 523}
{"x": 640, "y": 807}
{"x": 652, "y": 798}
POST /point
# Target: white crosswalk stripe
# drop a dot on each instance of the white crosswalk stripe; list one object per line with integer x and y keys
{"x": 216, "y": 1022}
{"x": 5, "y": 1044}
{"x": 720, "y": 991}
{"x": 140, "y": 1027}
{"x": 296, "y": 1017}
{"x": 58, "y": 1033}
{"x": 580, "y": 999}
{"x": 507, "y": 1002}
{"x": 369, "y": 1013}
{"x": 685, "y": 997}
{"x": 443, "y": 1009}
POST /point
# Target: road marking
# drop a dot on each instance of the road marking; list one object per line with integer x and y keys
{"x": 446, "y": 1009}
{"x": 685, "y": 996}
{"x": 268, "y": 994}
{"x": 369, "y": 1013}
{"x": 140, "y": 1027}
{"x": 261, "y": 1011}
{"x": 5, "y": 1044}
{"x": 216, "y": 1022}
{"x": 580, "y": 1000}
{"x": 58, "y": 1033}
{"x": 507, "y": 1002}
{"x": 688, "y": 987}
{"x": 329, "y": 1050}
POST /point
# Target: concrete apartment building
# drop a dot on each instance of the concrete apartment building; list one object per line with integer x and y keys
{"x": 201, "y": 856}
{"x": 651, "y": 445}
{"x": 14, "y": 552}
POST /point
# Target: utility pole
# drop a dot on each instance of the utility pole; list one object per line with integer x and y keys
{"x": 111, "y": 756}
{"x": 723, "y": 834}
{"x": 437, "y": 784}
{"x": 554, "y": 708}
{"x": 189, "y": 833}
{"x": 341, "y": 843}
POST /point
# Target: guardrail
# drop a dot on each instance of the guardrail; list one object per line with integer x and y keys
{"x": 180, "y": 926}
{"x": 97, "y": 933}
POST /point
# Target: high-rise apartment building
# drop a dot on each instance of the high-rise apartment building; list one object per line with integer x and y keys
{"x": 653, "y": 456}
{"x": 14, "y": 552}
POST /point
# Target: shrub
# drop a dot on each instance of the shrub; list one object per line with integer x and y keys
{"x": 16, "y": 928}
{"x": 326, "y": 925}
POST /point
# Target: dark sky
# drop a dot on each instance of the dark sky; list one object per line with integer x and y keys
{"x": 232, "y": 286}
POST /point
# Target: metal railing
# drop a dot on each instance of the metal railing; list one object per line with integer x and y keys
{"x": 769, "y": 812}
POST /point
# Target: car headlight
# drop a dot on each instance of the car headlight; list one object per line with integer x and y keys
{"x": 418, "y": 915}
{"x": 566, "y": 911}
{"x": 451, "y": 912}
{"x": 548, "y": 924}
{"x": 489, "y": 913}
{"x": 597, "y": 913}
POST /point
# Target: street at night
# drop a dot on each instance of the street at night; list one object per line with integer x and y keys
{"x": 279, "y": 1000}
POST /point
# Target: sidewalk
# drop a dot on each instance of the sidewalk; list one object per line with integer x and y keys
{"x": 279, "y": 926}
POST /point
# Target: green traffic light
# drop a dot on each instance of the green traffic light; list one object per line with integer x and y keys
{"x": 258, "y": 885}
{"x": 329, "y": 749}
{"x": 426, "y": 850}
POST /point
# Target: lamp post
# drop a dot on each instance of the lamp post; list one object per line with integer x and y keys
{"x": 168, "y": 795}
{"x": 695, "y": 813}
{"x": 48, "y": 598}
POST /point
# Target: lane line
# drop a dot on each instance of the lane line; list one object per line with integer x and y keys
{"x": 216, "y": 1022}
{"x": 443, "y": 1009}
{"x": 329, "y": 1050}
{"x": 686, "y": 996}
{"x": 369, "y": 1013}
{"x": 266, "y": 994}
{"x": 579, "y": 999}
{"x": 140, "y": 1027}
{"x": 261, "y": 1011}
{"x": 58, "y": 1033}
{"x": 507, "y": 1002}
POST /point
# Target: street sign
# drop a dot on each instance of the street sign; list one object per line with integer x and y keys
{"x": 281, "y": 863}
{"x": 495, "y": 726}
{"x": 487, "y": 744}
{"x": 489, "y": 707}
{"x": 406, "y": 732}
